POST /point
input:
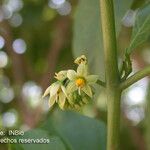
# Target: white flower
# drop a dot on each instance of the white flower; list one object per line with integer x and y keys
{"x": 80, "y": 80}
{"x": 62, "y": 75}
{"x": 81, "y": 60}
{"x": 57, "y": 94}
{"x": 72, "y": 89}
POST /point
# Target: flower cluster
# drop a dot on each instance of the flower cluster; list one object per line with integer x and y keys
{"x": 72, "y": 89}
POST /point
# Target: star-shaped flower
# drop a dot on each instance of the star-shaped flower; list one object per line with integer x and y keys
{"x": 80, "y": 80}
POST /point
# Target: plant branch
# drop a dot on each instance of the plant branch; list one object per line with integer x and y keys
{"x": 134, "y": 78}
{"x": 112, "y": 74}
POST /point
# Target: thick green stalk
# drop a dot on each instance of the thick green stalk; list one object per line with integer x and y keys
{"x": 112, "y": 73}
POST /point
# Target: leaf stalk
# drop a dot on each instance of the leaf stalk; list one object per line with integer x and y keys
{"x": 134, "y": 78}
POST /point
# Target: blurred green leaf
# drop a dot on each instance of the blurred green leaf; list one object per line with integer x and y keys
{"x": 55, "y": 142}
{"x": 77, "y": 131}
{"x": 87, "y": 33}
{"x": 141, "y": 29}
{"x": 67, "y": 131}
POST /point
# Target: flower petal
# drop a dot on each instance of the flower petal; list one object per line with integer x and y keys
{"x": 91, "y": 79}
{"x": 52, "y": 100}
{"x": 71, "y": 87}
{"x": 82, "y": 70}
{"x": 87, "y": 90}
{"x": 47, "y": 91}
{"x": 64, "y": 90}
{"x": 71, "y": 74}
{"x": 79, "y": 91}
{"x": 62, "y": 99}
{"x": 61, "y": 75}
{"x": 54, "y": 88}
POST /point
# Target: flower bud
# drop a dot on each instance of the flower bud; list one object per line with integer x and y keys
{"x": 81, "y": 60}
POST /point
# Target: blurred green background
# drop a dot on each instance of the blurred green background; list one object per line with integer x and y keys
{"x": 41, "y": 37}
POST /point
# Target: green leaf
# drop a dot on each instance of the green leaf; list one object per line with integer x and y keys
{"x": 76, "y": 131}
{"x": 55, "y": 142}
{"x": 66, "y": 131}
{"x": 141, "y": 29}
{"x": 87, "y": 38}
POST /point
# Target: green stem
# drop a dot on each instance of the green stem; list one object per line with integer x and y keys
{"x": 136, "y": 77}
{"x": 112, "y": 73}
